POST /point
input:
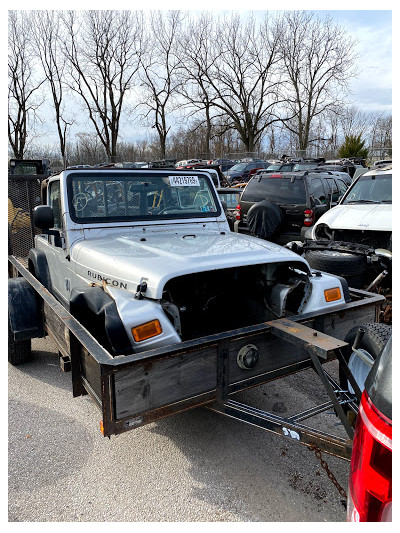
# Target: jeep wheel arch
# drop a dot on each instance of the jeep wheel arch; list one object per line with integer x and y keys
{"x": 37, "y": 265}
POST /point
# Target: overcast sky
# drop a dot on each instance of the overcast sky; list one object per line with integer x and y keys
{"x": 371, "y": 90}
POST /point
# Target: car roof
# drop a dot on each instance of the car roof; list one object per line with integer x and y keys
{"x": 382, "y": 170}
{"x": 298, "y": 173}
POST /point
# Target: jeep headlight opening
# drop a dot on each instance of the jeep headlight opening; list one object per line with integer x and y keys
{"x": 323, "y": 231}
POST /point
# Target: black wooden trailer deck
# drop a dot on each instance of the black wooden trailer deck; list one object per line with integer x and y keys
{"x": 137, "y": 389}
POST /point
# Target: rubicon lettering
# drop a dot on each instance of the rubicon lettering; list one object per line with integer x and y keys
{"x": 108, "y": 281}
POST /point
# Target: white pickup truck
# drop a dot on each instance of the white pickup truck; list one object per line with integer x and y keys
{"x": 158, "y": 247}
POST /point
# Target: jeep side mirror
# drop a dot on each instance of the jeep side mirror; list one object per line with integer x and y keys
{"x": 43, "y": 217}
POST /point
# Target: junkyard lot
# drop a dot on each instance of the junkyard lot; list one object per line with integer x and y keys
{"x": 194, "y": 466}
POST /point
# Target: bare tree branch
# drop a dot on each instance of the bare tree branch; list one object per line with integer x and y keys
{"x": 22, "y": 86}
{"x": 103, "y": 49}
{"x": 318, "y": 60}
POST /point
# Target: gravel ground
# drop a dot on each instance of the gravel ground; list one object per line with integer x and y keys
{"x": 196, "y": 466}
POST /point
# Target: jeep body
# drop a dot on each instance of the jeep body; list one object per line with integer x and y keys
{"x": 145, "y": 258}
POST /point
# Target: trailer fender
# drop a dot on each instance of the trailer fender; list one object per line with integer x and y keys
{"x": 25, "y": 318}
{"x": 97, "y": 312}
{"x": 37, "y": 265}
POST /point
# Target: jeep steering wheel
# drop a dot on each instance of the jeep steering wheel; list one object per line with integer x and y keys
{"x": 80, "y": 201}
{"x": 202, "y": 198}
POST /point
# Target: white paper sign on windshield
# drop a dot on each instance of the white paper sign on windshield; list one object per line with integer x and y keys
{"x": 184, "y": 181}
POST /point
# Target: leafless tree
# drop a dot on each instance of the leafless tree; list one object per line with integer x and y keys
{"x": 318, "y": 58}
{"x": 88, "y": 149}
{"x": 103, "y": 49}
{"x": 380, "y": 137}
{"x": 23, "y": 99}
{"x": 195, "y": 47}
{"x": 354, "y": 121}
{"x": 46, "y": 35}
{"x": 159, "y": 78}
{"x": 243, "y": 75}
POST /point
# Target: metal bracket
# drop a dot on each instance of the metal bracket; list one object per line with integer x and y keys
{"x": 324, "y": 345}
{"x": 328, "y": 387}
{"x": 286, "y": 427}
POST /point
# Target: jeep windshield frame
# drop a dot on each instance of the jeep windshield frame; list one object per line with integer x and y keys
{"x": 107, "y": 196}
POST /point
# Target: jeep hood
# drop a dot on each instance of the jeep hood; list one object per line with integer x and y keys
{"x": 373, "y": 217}
{"x": 125, "y": 260}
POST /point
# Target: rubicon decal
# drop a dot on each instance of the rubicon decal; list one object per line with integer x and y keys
{"x": 108, "y": 281}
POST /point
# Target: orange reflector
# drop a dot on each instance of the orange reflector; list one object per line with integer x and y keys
{"x": 331, "y": 295}
{"x": 146, "y": 331}
{"x": 101, "y": 427}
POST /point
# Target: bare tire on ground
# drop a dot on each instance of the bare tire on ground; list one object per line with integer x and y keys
{"x": 19, "y": 352}
{"x": 349, "y": 266}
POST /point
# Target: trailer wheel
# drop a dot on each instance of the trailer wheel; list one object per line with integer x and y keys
{"x": 350, "y": 266}
{"x": 19, "y": 352}
{"x": 373, "y": 341}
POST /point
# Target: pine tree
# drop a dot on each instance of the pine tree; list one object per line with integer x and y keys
{"x": 353, "y": 146}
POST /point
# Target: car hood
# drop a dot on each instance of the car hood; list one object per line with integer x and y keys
{"x": 125, "y": 260}
{"x": 372, "y": 217}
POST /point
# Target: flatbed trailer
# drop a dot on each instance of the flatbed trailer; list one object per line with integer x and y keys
{"x": 133, "y": 390}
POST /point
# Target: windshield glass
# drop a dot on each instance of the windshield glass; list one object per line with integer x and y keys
{"x": 305, "y": 166}
{"x": 370, "y": 189}
{"x": 238, "y": 168}
{"x": 280, "y": 190}
{"x": 140, "y": 196}
{"x": 230, "y": 198}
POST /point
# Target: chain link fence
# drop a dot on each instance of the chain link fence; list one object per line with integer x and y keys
{"x": 23, "y": 197}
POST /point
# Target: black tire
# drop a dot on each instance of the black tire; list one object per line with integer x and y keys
{"x": 373, "y": 341}
{"x": 349, "y": 266}
{"x": 19, "y": 352}
{"x": 264, "y": 219}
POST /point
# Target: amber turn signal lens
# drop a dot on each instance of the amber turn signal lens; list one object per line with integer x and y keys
{"x": 331, "y": 295}
{"x": 146, "y": 331}
{"x": 101, "y": 427}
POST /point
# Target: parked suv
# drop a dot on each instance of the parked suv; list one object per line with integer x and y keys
{"x": 281, "y": 206}
{"x": 354, "y": 239}
{"x": 278, "y": 167}
{"x": 242, "y": 171}
{"x": 364, "y": 214}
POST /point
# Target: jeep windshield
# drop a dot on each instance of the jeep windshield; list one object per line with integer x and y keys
{"x": 140, "y": 196}
{"x": 375, "y": 189}
{"x": 282, "y": 190}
